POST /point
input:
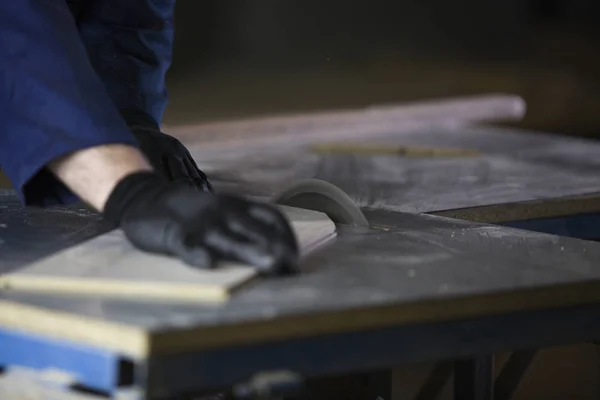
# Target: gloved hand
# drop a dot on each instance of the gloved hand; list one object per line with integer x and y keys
{"x": 201, "y": 228}
{"x": 170, "y": 158}
{"x": 167, "y": 155}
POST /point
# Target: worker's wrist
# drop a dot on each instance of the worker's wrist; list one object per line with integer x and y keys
{"x": 134, "y": 187}
{"x": 92, "y": 173}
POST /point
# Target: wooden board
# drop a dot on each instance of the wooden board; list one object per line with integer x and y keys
{"x": 110, "y": 265}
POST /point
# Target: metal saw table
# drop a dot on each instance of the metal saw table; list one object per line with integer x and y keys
{"x": 413, "y": 288}
{"x": 524, "y": 179}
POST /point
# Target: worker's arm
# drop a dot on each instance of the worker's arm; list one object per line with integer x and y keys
{"x": 200, "y": 228}
{"x": 130, "y": 44}
{"x": 51, "y": 101}
{"x": 61, "y": 134}
{"x": 94, "y": 172}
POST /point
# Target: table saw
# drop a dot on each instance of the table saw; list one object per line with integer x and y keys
{"x": 436, "y": 276}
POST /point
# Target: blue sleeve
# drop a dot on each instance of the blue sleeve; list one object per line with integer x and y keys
{"x": 51, "y": 100}
{"x": 130, "y": 46}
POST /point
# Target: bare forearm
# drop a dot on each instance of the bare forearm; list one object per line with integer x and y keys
{"x": 93, "y": 173}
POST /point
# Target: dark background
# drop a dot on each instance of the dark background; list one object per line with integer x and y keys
{"x": 236, "y": 58}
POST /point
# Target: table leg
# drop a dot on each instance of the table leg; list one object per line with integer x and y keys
{"x": 436, "y": 381}
{"x": 474, "y": 378}
{"x": 510, "y": 377}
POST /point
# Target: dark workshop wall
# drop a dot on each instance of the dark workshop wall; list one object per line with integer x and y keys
{"x": 238, "y": 58}
{"x": 300, "y": 33}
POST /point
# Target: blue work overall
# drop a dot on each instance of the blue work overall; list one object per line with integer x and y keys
{"x": 69, "y": 72}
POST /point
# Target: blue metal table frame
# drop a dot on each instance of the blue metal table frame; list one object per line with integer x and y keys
{"x": 111, "y": 374}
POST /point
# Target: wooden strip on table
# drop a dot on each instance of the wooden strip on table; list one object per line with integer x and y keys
{"x": 352, "y": 122}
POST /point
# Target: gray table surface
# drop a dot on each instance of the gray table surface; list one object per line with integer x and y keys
{"x": 408, "y": 268}
{"x": 516, "y": 166}
{"x": 417, "y": 268}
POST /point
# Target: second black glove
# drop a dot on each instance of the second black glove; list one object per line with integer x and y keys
{"x": 167, "y": 155}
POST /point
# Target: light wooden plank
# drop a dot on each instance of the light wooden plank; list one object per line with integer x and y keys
{"x": 110, "y": 265}
{"x": 351, "y": 123}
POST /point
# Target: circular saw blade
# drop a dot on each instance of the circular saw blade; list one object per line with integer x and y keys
{"x": 318, "y": 195}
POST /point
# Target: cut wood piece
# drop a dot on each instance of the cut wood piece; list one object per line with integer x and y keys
{"x": 110, "y": 265}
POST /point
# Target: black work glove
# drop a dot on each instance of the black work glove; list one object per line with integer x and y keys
{"x": 201, "y": 228}
{"x": 167, "y": 155}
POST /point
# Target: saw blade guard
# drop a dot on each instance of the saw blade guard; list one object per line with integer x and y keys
{"x": 319, "y": 195}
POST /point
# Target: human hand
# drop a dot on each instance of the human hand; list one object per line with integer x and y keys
{"x": 202, "y": 229}
{"x": 169, "y": 157}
